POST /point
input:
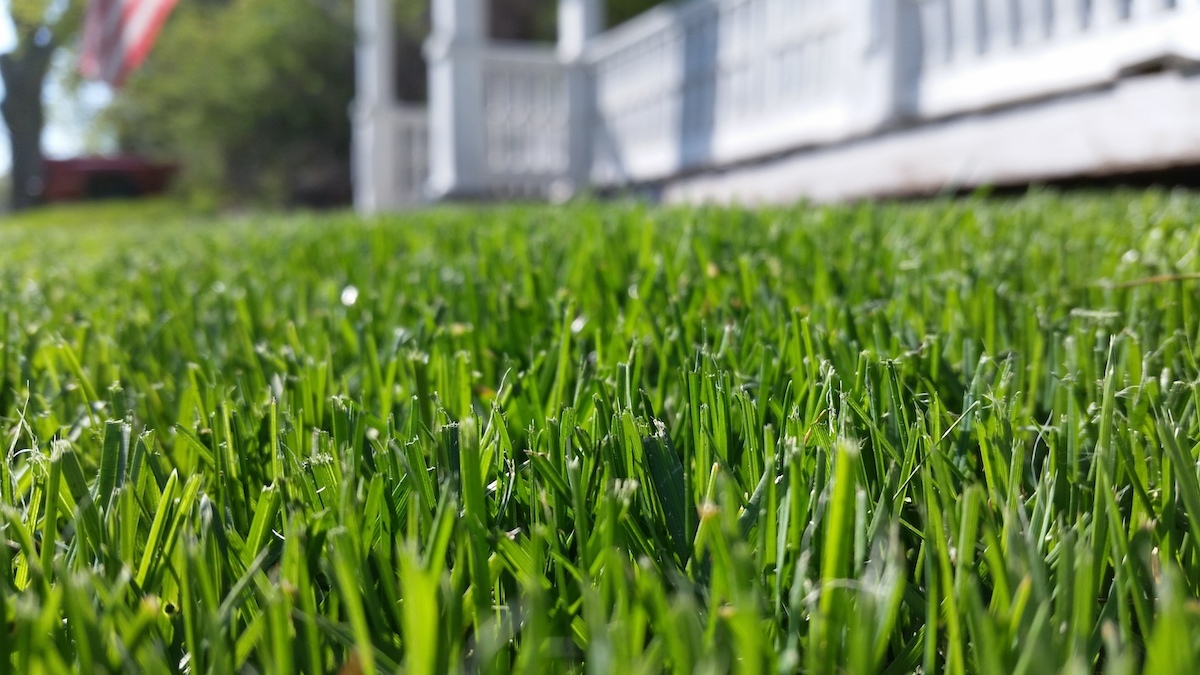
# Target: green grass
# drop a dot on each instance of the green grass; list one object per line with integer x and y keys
{"x": 937, "y": 437}
{"x": 108, "y": 213}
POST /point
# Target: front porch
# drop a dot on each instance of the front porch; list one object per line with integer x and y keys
{"x": 769, "y": 100}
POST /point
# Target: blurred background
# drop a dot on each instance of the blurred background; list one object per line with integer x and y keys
{"x": 247, "y": 98}
{"x": 254, "y": 102}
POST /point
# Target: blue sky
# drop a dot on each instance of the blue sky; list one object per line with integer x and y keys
{"x": 6, "y": 43}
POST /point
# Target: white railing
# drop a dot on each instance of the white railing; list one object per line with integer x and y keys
{"x": 717, "y": 81}
{"x": 390, "y": 156}
{"x": 411, "y": 124}
{"x": 981, "y": 54}
{"x": 713, "y": 84}
{"x": 525, "y": 112}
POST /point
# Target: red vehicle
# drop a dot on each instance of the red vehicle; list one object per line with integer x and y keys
{"x": 122, "y": 176}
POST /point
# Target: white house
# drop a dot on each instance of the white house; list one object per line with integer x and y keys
{"x": 776, "y": 100}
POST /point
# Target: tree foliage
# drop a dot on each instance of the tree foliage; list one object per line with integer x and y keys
{"x": 250, "y": 97}
{"x": 623, "y": 10}
{"x": 58, "y": 20}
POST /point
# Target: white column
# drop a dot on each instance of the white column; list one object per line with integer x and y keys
{"x": 578, "y": 22}
{"x": 374, "y": 146}
{"x": 455, "y": 54}
{"x": 885, "y": 35}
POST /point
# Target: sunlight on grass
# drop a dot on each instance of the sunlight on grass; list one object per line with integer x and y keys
{"x": 935, "y": 437}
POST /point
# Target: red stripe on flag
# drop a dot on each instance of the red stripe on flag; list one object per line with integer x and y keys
{"x": 118, "y": 35}
{"x": 154, "y": 15}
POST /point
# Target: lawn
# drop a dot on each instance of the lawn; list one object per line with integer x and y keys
{"x": 952, "y": 436}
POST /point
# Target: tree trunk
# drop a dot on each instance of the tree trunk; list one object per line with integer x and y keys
{"x": 24, "y": 71}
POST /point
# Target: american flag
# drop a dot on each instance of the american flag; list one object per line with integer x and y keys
{"x": 117, "y": 36}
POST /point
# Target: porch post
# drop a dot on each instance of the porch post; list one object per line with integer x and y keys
{"x": 455, "y": 54}
{"x": 374, "y": 147}
{"x": 578, "y": 22}
{"x": 887, "y": 37}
